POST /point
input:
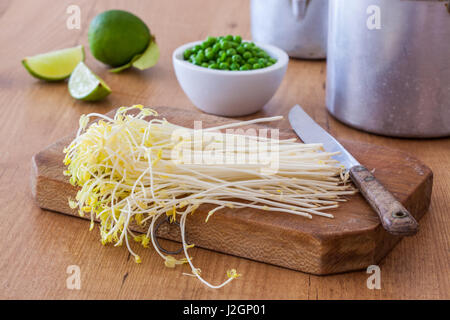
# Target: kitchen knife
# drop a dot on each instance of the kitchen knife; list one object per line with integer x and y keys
{"x": 393, "y": 215}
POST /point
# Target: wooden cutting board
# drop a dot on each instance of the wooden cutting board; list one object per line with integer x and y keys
{"x": 353, "y": 240}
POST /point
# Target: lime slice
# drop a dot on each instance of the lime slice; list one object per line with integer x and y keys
{"x": 149, "y": 58}
{"x": 86, "y": 85}
{"x": 55, "y": 65}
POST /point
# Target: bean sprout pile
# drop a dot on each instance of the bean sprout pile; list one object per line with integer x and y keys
{"x": 132, "y": 170}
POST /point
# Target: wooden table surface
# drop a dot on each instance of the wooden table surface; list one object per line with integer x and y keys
{"x": 37, "y": 246}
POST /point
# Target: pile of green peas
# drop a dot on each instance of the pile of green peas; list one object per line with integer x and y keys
{"x": 228, "y": 53}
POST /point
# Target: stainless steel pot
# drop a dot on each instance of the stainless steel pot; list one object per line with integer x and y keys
{"x": 297, "y": 26}
{"x": 388, "y": 66}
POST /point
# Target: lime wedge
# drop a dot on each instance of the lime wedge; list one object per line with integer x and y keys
{"x": 149, "y": 58}
{"x": 56, "y": 65}
{"x": 86, "y": 85}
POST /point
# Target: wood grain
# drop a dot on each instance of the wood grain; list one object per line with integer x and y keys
{"x": 38, "y": 246}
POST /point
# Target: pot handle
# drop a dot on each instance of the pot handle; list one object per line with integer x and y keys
{"x": 299, "y": 8}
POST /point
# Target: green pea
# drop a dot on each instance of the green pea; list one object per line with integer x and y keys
{"x": 187, "y": 53}
{"x": 247, "y": 55}
{"x": 249, "y": 45}
{"x": 228, "y": 53}
{"x": 231, "y": 52}
{"x": 261, "y": 54}
{"x": 234, "y": 66}
{"x": 236, "y": 58}
{"x": 209, "y": 55}
{"x": 216, "y": 47}
{"x": 224, "y": 44}
{"x": 262, "y": 61}
{"x": 240, "y": 49}
{"x": 256, "y": 53}
{"x": 200, "y": 56}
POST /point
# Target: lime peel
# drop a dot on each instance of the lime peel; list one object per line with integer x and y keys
{"x": 149, "y": 58}
{"x": 125, "y": 66}
{"x": 142, "y": 61}
{"x": 121, "y": 68}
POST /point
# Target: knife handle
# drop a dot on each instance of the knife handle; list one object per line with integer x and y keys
{"x": 393, "y": 215}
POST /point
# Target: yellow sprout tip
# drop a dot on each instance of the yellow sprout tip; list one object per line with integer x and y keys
{"x": 233, "y": 274}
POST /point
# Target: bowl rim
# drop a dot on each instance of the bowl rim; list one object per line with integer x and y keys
{"x": 281, "y": 56}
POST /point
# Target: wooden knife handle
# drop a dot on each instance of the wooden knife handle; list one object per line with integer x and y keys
{"x": 393, "y": 215}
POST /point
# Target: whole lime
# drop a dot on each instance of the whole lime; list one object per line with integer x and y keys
{"x": 116, "y": 36}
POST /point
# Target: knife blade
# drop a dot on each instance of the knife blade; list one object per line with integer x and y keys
{"x": 393, "y": 215}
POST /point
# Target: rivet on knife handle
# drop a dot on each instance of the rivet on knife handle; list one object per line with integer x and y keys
{"x": 393, "y": 215}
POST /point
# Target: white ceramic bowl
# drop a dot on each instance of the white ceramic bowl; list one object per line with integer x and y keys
{"x": 230, "y": 93}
